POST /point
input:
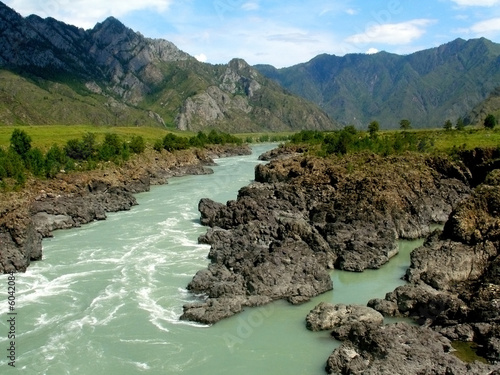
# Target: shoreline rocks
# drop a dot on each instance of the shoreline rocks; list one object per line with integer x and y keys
{"x": 305, "y": 216}
{"x": 78, "y": 198}
{"x": 454, "y": 278}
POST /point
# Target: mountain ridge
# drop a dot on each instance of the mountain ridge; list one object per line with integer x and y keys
{"x": 111, "y": 74}
{"x": 427, "y": 87}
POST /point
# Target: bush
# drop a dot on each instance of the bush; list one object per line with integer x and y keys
{"x": 137, "y": 144}
{"x": 158, "y": 145}
{"x": 55, "y": 159}
{"x": 199, "y": 140}
{"x": 490, "y": 121}
{"x": 20, "y": 142}
{"x": 12, "y": 166}
{"x": 81, "y": 149}
{"x": 35, "y": 162}
{"x": 172, "y": 142}
{"x": 111, "y": 147}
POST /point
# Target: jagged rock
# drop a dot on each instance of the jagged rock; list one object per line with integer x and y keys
{"x": 399, "y": 349}
{"x": 454, "y": 277}
{"x": 283, "y": 233}
{"x": 20, "y": 244}
{"x": 340, "y": 318}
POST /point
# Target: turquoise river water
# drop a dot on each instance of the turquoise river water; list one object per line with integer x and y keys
{"x": 106, "y": 297}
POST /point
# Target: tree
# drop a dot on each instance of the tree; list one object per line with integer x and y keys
{"x": 460, "y": 124}
{"x": 373, "y": 129}
{"x": 405, "y": 124}
{"x": 20, "y": 142}
{"x": 490, "y": 121}
{"x": 448, "y": 125}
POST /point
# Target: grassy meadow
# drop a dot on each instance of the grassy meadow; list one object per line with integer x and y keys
{"x": 44, "y": 136}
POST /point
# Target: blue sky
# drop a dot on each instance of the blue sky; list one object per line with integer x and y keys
{"x": 284, "y": 33}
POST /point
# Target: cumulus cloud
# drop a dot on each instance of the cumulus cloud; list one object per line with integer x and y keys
{"x": 391, "y": 33}
{"x": 476, "y": 3}
{"x": 372, "y": 51}
{"x": 486, "y": 27}
{"x": 85, "y": 13}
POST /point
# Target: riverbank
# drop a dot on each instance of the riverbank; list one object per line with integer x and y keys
{"x": 72, "y": 199}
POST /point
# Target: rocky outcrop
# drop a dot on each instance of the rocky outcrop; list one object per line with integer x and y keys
{"x": 305, "y": 216}
{"x": 340, "y": 319}
{"x": 399, "y": 349}
{"x": 20, "y": 244}
{"x": 74, "y": 199}
{"x": 454, "y": 277}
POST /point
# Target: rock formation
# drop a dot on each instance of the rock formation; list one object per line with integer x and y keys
{"x": 304, "y": 216}
{"x": 454, "y": 279}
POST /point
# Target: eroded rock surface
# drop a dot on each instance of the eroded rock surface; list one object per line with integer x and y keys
{"x": 305, "y": 216}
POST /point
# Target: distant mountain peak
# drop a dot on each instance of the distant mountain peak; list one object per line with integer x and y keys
{"x": 51, "y": 72}
{"x": 428, "y": 87}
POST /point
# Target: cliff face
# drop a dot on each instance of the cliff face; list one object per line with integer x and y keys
{"x": 111, "y": 74}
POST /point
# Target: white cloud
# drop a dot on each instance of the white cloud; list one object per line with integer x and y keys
{"x": 250, "y": 6}
{"x": 391, "y": 33}
{"x": 351, "y": 11}
{"x": 476, "y": 3}
{"x": 85, "y": 13}
{"x": 372, "y": 51}
{"x": 486, "y": 27}
{"x": 201, "y": 57}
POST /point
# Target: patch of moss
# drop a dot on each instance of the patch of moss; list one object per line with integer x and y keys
{"x": 467, "y": 352}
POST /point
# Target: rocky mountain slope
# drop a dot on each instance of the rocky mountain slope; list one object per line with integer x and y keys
{"x": 426, "y": 87}
{"x": 489, "y": 106}
{"x": 51, "y": 72}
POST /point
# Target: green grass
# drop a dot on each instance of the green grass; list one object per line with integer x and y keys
{"x": 468, "y": 139}
{"x": 44, "y": 136}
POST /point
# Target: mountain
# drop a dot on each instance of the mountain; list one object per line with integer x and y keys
{"x": 426, "y": 87}
{"x": 54, "y": 73}
{"x": 489, "y": 106}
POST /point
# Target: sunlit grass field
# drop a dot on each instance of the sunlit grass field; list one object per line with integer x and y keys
{"x": 44, "y": 136}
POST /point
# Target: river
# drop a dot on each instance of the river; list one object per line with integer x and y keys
{"x": 106, "y": 297}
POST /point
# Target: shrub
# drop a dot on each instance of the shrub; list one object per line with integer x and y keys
{"x": 490, "y": 121}
{"x": 55, "y": 159}
{"x": 20, "y": 142}
{"x": 111, "y": 147}
{"x": 137, "y": 144}
{"x": 35, "y": 162}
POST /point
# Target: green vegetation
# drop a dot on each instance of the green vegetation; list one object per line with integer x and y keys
{"x": 448, "y": 125}
{"x": 405, "y": 124}
{"x": 373, "y": 129}
{"x": 467, "y": 352}
{"x": 20, "y": 159}
{"x": 490, "y": 121}
{"x": 349, "y": 140}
